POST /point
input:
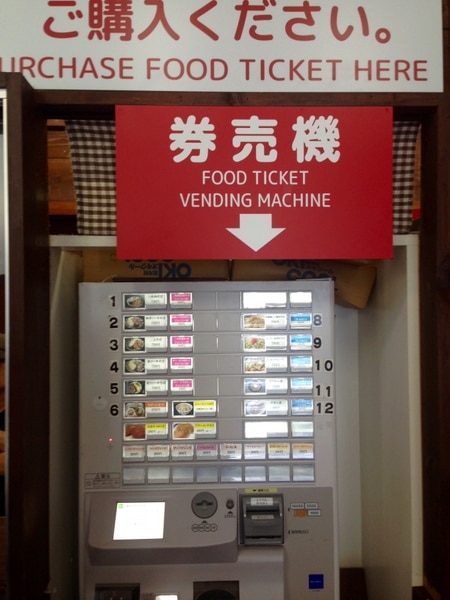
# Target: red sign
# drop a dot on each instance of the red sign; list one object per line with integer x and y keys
{"x": 208, "y": 182}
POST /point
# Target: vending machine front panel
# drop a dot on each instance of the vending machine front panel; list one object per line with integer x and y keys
{"x": 207, "y": 441}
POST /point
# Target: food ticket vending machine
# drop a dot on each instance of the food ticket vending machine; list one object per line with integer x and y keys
{"x": 207, "y": 441}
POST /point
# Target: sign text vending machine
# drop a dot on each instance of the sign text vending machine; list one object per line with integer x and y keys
{"x": 207, "y": 441}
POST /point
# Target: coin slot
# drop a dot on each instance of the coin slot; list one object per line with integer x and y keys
{"x": 204, "y": 505}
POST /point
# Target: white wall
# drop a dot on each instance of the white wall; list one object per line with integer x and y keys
{"x": 390, "y": 429}
{"x": 348, "y": 437}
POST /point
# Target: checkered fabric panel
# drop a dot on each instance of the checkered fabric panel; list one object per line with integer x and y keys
{"x": 93, "y": 151}
{"x": 92, "y": 145}
{"x": 405, "y": 137}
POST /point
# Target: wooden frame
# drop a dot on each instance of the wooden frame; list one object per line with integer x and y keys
{"x": 433, "y": 112}
{"x": 27, "y": 361}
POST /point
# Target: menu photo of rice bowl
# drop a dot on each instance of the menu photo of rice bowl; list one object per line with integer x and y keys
{"x": 135, "y": 431}
{"x": 183, "y": 430}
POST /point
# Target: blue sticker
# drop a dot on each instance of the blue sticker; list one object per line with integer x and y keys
{"x": 316, "y": 581}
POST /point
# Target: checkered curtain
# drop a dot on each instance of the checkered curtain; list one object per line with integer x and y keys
{"x": 405, "y": 137}
{"x": 92, "y": 145}
{"x": 93, "y": 151}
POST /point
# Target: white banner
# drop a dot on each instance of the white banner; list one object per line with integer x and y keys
{"x": 225, "y": 45}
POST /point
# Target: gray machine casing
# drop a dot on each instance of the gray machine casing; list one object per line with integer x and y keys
{"x": 267, "y": 540}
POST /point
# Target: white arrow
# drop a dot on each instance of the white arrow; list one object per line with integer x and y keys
{"x": 255, "y": 230}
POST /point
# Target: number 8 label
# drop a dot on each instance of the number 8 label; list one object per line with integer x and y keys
{"x": 317, "y": 320}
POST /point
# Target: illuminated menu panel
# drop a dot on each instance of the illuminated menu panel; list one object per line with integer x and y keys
{"x": 210, "y": 382}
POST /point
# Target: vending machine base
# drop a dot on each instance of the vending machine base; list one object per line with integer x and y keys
{"x": 262, "y": 578}
{"x": 265, "y": 544}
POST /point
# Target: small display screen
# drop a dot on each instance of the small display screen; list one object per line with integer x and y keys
{"x": 139, "y": 521}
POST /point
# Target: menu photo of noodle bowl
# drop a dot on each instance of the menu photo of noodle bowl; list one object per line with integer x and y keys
{"x": 134, "y": 322}
{"x": 255, "y": 408}
{"x": 254, "y": 321}
{"x": 184, "y": 409}
{"x": 134, "y": 301}
{"x": 254, "y": 386}
{"x": 134, "y": 344}
{"x": 134, "y": 388}
{"x": 134, "y": 365}
{"x": 254, "y": 343}
{"x": 134, "y": 409}
{"x": 254, "y": 364}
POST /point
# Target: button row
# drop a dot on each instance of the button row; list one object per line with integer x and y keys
{"x": 213, "y": 451}
{"x": 304, "y": 473}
